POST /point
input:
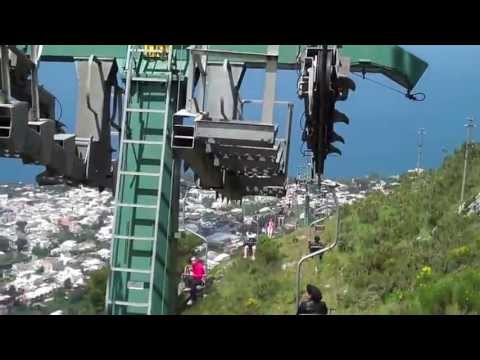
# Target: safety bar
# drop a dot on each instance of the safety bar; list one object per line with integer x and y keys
{"x": 203, "y": 238}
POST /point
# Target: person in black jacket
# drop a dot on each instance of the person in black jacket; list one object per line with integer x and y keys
{"x": 315, "y": 246}
{"x": 312, "y": 304}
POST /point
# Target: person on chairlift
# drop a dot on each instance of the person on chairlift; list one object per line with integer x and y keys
{"x": 312, "y": 303}
{"x": 250, "y": 245}
{"x": 197, "y": 279}
{"x": 270, "y": 228}
{"x": 315, "y": 245}
{"x": 250, "y": 242}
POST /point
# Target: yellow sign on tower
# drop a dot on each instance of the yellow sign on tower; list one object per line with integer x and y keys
{"x": 157, "y": 51}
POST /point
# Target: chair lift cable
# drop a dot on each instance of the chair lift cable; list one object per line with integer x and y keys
{"x": 408, "y": 95}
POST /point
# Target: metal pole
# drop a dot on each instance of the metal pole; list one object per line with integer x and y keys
{"x": 434, "y": 182}
{"x": 258, "y": 228}
{"x": 470, "y": 125}
{"x": 113, "y": 245}
{"x": 183, "y": 206}
{"x": 270, "y": 84}
{"x": 5, "y": 72}
{"x": 34, "y": 85}
{"x": 307, "y": 205}
{"x": 243, "y": 211}
{"x": 307, "y": 177}
{"x": 445, "y": 152}
{"x": 420, "y": 134}
{"x": 321, "y": 251}
{"x": 289, "y": 132}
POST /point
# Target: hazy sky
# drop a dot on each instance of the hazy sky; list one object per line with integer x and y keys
{"x": 381, "y": 136}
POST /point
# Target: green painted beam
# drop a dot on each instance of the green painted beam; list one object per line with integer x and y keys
{"x": 72, "y": 52}
{"x": 287, "y": 54}
{"x": 390, "y": 60}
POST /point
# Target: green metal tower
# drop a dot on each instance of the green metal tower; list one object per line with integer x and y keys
{"x": 146, "y": 200}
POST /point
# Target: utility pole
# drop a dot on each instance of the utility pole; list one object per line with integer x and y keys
{"x": 470, "y": 125}
{"x": 434, "y": 182}
{"x": 308, "y": 178}
{"x": 445, "y": 153}
{"x": 420, "y": 134}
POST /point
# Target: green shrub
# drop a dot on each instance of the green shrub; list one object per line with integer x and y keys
{"x": 264, "y": 288}
{"x": 86, "y": 234}
{"x": 268, "y": 250}
{"x": 96, "y": 290}
{"x": 457, "y": 293}
{"x": 40, "y": 252}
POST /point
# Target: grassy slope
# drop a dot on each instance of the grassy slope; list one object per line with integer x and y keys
{"x": 404, "y": 253}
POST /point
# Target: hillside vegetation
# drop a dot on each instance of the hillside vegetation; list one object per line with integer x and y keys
{"x": 408, "y": 252}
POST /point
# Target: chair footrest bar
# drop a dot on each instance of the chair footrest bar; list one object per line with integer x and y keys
{"x": 128, "y": 270}
{"x": 136, "y": 173}
{"x": 143, "y": 142}
{"x": 155, "y": 111}
{"x": 150, "y": 79}
{"x": 137, "y": 238}
{"x": 128, "y": 303}
{"x": 137, "y": 206}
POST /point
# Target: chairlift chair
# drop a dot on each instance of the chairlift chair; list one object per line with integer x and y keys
{"x": 251, "y": 239}
{"x": 200, "y": 287}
